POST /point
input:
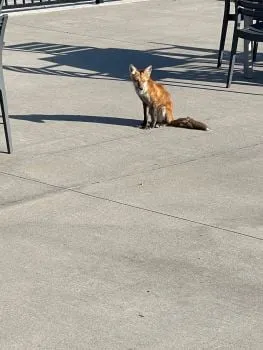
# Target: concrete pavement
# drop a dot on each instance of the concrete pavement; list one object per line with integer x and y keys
{"x": 113, "y": 237}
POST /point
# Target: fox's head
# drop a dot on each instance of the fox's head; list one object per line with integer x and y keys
{"x": 140, "y": 77}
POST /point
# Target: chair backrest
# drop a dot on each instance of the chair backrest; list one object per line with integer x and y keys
{"x": 3, "y": 21}
{"x": 1, "y": 4}
{"x": 250, "y": 8}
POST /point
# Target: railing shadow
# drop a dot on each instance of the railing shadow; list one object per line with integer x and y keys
{"x": 170, "y": 62}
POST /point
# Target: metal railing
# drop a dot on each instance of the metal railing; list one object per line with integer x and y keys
{"x": 18, "y": 4}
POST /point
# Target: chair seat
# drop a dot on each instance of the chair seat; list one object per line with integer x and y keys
{"x": 253, "y": 32}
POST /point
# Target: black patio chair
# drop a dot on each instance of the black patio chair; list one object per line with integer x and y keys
{"x": 253, "y": 32}
{"x": 3, "y": 99}
{"x": 229, "y": 17}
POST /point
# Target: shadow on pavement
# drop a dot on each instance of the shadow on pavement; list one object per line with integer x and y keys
{"x": 42, "y": 118}
{"x": 174, "y": 65}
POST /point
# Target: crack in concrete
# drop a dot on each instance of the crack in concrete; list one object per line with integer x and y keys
{"x": 169, "y": 215}
{"x": 152, "y": 169}
{"x": 75, "y": 190}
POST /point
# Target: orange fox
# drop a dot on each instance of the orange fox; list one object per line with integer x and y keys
{"x": 158, "y": 101}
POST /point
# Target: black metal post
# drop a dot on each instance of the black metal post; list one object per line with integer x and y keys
{"x": 99, "y": 1}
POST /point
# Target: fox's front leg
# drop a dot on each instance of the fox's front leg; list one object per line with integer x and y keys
{"x": 154, "y": 117}
{"x": 145, "y": 116}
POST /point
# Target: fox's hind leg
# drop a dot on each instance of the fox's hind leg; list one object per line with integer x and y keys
{"x": 157, "y": 116}
{"x": 162, "y": 116}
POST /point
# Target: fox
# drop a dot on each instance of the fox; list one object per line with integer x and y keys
{"x": 158, "y": 102}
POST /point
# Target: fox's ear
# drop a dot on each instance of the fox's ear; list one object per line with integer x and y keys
{"x": 148, "y": 70}
{"x": 132, "y": 69}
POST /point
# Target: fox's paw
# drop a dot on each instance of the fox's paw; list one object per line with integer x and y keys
{"x": 144, "y": 126}
{"x": 154, "y": 125}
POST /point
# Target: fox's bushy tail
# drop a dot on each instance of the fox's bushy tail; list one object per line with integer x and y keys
{"x": 188, "y": 123}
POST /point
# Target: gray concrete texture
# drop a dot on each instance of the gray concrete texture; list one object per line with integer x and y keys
{"x": 113, "y": 237}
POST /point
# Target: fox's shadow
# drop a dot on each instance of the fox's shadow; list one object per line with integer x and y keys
{"x": 42, "y": 118}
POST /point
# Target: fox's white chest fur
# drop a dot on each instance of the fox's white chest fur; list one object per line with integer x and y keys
{"x": 144, "y": 96}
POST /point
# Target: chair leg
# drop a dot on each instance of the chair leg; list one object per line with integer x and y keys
{"x": 7, "y": 129}
{"x": 255, "y": 50}
{"x": 223, "y": 33}
{"x": 232, "y": 60}
{"x": 222, "y": 42}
